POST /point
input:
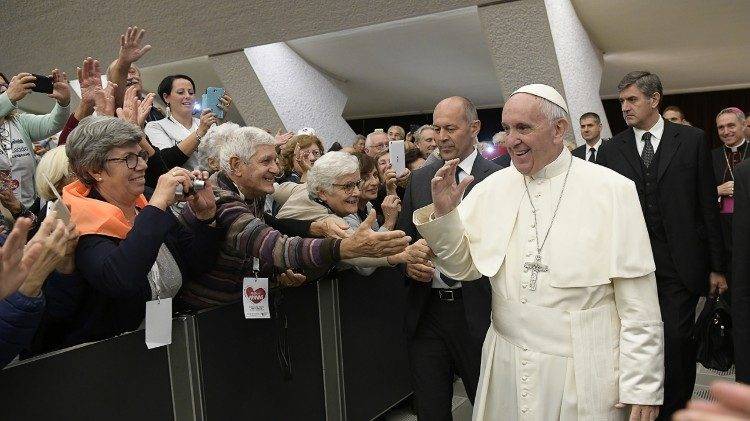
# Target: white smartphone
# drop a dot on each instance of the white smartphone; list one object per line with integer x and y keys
{"x": 398, "y": 157}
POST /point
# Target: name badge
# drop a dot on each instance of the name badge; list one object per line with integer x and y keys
{"x": 255, "y": 298}
{"x": 158, "y": 323}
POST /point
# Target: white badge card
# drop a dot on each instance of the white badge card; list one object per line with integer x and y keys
{"x": 398, "y": 156}
{"x": 158, "y": 322}
{"x": 255, "y": 298}
{"x": 63, "y": 213}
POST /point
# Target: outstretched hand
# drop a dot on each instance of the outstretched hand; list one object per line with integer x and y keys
{"x": 16, "y": 260}
{"x": 368, "y": 243}
{"x": 446, "y": 194}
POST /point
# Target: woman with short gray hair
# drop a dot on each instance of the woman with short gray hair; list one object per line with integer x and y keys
{"x": 131, "y": 249}
{"x": 252, "y": 247}
{"x": 333, "y": 190}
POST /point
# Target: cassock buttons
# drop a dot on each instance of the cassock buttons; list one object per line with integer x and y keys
{"x": 524, "y": 362}
{"x": 523, "y": 300}
{"x": 524, "y": 410}
{"x": 524, "y": 394}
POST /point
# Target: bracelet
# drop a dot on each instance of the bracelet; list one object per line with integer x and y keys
{"x": 198, "y": 136}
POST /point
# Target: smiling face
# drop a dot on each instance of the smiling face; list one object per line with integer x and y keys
{"x": 182, "y": 97}
{"x": 369, "y": 186}
{"x": 384, "y": 164}
{"x": 343, "y": 197}
{"x": 255, "y": 178}
{"x": 455, "y": 135}
{"x": 117, "y": 180}
{"x": 531, "y": 140}
{"x": 309, "y": 155}
{"x": 731, "y": 129}
{"x": 427, "y": 143}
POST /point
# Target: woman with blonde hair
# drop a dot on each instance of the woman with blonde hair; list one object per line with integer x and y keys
{"x": 54, "y": 166}
{"x": 298, "y": 156}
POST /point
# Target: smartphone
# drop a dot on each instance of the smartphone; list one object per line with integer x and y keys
{"x": 211, "y": 101}
{"x": 398, "y": 156}
{"x": 43, "y": 84}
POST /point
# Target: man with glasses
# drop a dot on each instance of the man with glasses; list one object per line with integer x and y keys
{"x": 376, "y": 142}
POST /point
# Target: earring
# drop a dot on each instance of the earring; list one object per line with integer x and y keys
{"x": 167, "y": 111}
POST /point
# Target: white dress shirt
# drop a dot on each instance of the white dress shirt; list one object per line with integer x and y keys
{"x": 596, "y": 148}
{"x": 464, "y": 170}
{"x": 168, "y": 132}
{"x": 657, "y": 131}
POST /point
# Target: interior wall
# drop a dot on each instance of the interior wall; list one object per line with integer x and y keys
{"x": 65, "y": 31}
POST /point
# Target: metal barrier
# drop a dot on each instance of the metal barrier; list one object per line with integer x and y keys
{"x": 345, "y": 359}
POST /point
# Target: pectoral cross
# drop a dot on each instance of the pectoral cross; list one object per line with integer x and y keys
{"x": 536, "y": 266}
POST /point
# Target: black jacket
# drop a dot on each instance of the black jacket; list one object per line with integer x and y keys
{"x": 687, "y": 197}
{"x": 476, "y": 294}
{"x": 740, "y": 287}
{"x": 113, "y": 288}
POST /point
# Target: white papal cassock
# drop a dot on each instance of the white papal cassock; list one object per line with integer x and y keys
{"x": 590, "y": 335}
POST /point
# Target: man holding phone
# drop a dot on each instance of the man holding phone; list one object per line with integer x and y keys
{"x": 18, "y": 132}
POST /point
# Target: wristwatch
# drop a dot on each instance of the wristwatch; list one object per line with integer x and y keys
{"x": 25, "y": 213}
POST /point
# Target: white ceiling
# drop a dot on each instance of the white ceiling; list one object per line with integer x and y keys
{"x": 693, "y": 45}
{"x": 407, "y": 66}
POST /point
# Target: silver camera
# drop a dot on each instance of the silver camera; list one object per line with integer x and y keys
{"x": 181, "y": 195}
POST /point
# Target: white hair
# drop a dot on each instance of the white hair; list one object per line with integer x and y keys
{"x": 210, "y": 144}
{"x": 373, "y": 134}
{"x": 328, "y": 168}
{"x": 552, "y": 111}
{"x": 499, "y": 137}
{"x": 242, "y": 143}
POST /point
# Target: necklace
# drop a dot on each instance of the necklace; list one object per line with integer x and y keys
{"x": 729, "y": 166}
{"x": 537, "y": 266}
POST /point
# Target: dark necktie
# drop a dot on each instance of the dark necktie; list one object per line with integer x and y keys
{"x": 458, "y": 171}
{"x": 648, "y": 150}
{"x": 592, "y": 156}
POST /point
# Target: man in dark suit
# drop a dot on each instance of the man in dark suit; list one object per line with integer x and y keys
{"x": 671, "y": 167}
{"x": 591, "y": 132}
{"x": 445, "y": 321}
{"x": 730, "y": 123}
{"x": 741, "y": 273}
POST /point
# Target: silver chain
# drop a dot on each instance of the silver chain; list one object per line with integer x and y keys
{"x": 533, "y": 209}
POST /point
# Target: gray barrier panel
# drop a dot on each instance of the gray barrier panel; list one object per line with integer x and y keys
{"x": 116, "y": 379}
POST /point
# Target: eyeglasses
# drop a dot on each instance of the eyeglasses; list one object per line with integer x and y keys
{"x": 131, "y": 159}
{"x": 348, "y": 188}
{"x": 315, "y": 153}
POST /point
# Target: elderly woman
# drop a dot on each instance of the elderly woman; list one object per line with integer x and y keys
{"x": 248, "y": 171}
{"x": 180, "y": 128}
{"x": 19, "y": 131}
{"x": 298, "y": 155}
{"x": 131, "y": 249}
{"x": 333, "y": 189}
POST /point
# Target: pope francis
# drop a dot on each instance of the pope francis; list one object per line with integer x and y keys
{"x": 576, "y": 331}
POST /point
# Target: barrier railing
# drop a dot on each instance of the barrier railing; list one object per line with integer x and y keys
{"x": 338, "y": 353}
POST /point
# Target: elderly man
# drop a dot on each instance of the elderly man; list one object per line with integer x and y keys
{"x": 424, "y": 138}
{"x": 671, "y": 167}
{"x": 576, "y": 332}
{"x": 730, "y": 123}
{"x": 249, "y": 168}
{"x": 446, "y": 321}
{"x": 375, "y": 143}
{"x": 396, "y": 133}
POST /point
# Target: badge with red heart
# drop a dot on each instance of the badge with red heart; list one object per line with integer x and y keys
{"x": 255, "y": 295}
{"x": 255, "y": 298}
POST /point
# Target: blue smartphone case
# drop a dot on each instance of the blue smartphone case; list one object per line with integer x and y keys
{"x": 211, "y": 101}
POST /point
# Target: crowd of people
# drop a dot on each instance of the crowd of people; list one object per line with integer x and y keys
{"x": 132, "y": 202}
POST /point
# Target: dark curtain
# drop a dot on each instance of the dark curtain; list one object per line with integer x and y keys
{"x": 700, "y": 109}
